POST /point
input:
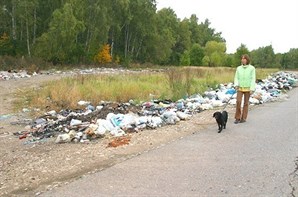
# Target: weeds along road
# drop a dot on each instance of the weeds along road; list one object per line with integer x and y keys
{"x": 256, "y": 158}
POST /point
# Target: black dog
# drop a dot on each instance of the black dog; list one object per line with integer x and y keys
{"x": 221, "y": 119}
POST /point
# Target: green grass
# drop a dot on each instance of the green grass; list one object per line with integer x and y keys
{"x": 174, "y": 83}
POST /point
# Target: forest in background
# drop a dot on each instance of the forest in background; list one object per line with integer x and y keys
{"x": 116, "y": 32}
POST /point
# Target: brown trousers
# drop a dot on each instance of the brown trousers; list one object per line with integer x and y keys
{"x": 241, "y": 114}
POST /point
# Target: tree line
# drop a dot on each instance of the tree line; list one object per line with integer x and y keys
{"x": 80, "y": 32}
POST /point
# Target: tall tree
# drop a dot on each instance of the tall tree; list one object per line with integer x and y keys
{"x": 215, "y": 52}
{"x": 10, "y": 8}
{"x": 57, "y": 44}
{"x": 206, "y": 33}
{"x": 96, "y": 16}
{"x": 27, "y": 14}
{"x": 140, "y": 27}
{"x": 183, "y": 42}
{"x": 196, "y": 55}
{"x": 6, "y": 17}
{"x": 264, "y": 57}
{"x": 166, "y": 37}
{"x": 194, "y": 29}
{"x": 290, "y": 59}
{"x": 44, "y": 14}
{"x": 203, "y": 33}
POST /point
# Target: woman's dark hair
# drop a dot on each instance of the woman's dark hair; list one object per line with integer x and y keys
{"x": 245, "y": 56}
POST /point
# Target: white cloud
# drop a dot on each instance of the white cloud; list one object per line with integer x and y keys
{"x": 255, "y": 23}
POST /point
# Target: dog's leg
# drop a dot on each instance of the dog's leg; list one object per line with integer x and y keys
{"x": 220, "y": 128}
{"x": 218, "y": 125}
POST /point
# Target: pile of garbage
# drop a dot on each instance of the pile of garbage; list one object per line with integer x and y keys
{"x": 118, "y": 119}
{"x": 8, "y": 75}
{"x": 267, "y": 90}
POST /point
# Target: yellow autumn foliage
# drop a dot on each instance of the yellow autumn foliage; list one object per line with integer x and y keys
{"x": 104, "y": 55}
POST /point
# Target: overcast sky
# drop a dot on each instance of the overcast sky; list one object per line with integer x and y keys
{"x": 255, "y": 23}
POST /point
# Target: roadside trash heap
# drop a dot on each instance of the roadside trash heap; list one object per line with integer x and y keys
{"x": 8, "y": 75}
{"x": 267, "y": 90}
{"x": 118, "y": 119}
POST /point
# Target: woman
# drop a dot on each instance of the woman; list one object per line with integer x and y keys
{"x": 244, "y": 83}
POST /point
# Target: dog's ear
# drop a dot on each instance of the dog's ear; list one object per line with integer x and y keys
{"x": 214, "y": 114}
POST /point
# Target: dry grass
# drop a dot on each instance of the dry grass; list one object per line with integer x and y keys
{"x": 175, "y": 83}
